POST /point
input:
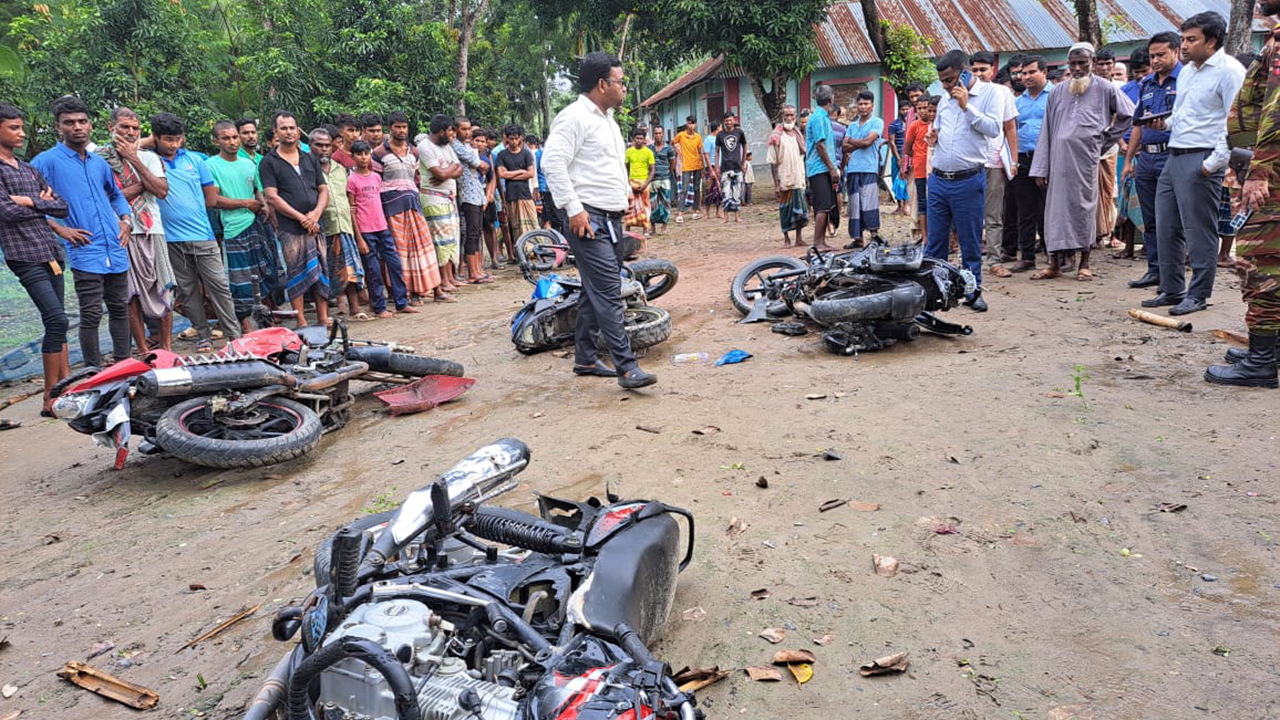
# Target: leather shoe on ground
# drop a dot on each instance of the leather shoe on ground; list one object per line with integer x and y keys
{"x": 1188, "y": 306}
{"x": 598, "y": 369}
{"x": 636, "y": 378}
{"x": 1149, "y": 280}
{"x": 976, "y": 302}
{"x": 1022, "y": 266}
{"x": 1235, "y": 355}
{"x": 1161, "y": 300}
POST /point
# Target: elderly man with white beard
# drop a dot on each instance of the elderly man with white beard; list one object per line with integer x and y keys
{"x": 1085, "y": 117}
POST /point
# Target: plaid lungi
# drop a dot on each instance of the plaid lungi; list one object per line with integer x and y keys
{"x": 252, "y": 252}
{"x": 417, "y": 252}
{"x": 304, "y": 265}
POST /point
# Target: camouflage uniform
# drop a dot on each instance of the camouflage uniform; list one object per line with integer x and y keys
{"x": 1255, "y": 121}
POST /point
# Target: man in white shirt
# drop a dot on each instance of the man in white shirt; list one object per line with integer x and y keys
{"x": 968, "y": 117}
{"x": 983, "y": 65}
{"x": 1190, "y": 185}
{"x": 584, "y": 161}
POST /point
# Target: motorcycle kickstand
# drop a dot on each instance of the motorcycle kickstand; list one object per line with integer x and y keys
{"x": 933, "y": 323}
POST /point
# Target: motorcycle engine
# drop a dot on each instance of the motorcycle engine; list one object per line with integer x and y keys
{"x": 421, "y": 640}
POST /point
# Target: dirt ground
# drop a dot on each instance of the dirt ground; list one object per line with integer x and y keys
{"x": 1061, "y": 590}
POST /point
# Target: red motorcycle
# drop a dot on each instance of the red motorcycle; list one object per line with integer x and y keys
{"x": 265, "y": 398}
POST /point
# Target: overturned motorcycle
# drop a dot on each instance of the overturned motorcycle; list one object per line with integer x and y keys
{"x": 865, "y": 300}
{"x": 416, "y": 616}
{"x": 265, "y": 398}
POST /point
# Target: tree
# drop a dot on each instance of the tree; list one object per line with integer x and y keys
{"x": 1088, "y": 26}
{"x": 1240, "y": 27}
{"x": 467, "y": 17}
{"x": 903, "y": 60}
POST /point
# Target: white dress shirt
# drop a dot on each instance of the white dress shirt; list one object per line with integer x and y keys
{"x": 1007, "y": 110}
{"x": 584, "y": 159}
{"x": 963, "y": 135}
{"x": 1205, "y": 96}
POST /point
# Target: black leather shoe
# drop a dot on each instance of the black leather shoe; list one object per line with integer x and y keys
{"x": 598, "y": 369}
{"x": 976, "y": 302}
{"x": 1235, "y": 355}
{"x": 636, "y": 378}
{"x": 1161, "y": 300}
{"x": 1188, "y": 306}
{"x": 1151, "y": 279}
{"x": 1257, "y": 369}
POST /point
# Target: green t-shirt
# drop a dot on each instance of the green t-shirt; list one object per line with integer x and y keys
{"x": 236, "y": 181}
{"x": 639, "y": 160}
{"x": 337, "y": 214}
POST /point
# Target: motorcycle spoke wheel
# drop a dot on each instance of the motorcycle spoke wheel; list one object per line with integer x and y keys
{"x": 752, "y": 281}
{"x": 274, "y": 430}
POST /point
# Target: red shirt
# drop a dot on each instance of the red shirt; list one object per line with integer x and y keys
{"x": 918, "y": 148}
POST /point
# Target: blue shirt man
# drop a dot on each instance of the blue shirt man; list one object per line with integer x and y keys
{"x": 96, "y": 206}
{"x": 1031, "y": 118}
{"x": 864, "y": 160}
{"x": 1155, "y": 97}
{"x": 183, "y": 209}
{"x": 818, "y": 130}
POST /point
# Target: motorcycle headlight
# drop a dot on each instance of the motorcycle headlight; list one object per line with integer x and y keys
{"x": 70, "y": 407}
{"x": 970, "y": 283}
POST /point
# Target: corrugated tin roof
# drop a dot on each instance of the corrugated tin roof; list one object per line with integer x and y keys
{"x": 972, "y": 25}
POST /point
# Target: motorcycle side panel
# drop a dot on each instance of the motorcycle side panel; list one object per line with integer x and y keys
{"x": 634, "y": 579}
{"x": 266, "y": 342}
{"x": 122, "y": 370}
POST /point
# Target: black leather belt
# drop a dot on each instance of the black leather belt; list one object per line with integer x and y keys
{"x": 610, "y": 214}
{"x": 959, "y": 174}
{"x": 1025, "y": 155}
{"x": 1188, "y": 151}
{"x": 1156, "y": 149}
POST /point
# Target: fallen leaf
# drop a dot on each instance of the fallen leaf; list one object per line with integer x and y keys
{"x": 803, "y": 602}
{"x": 8, "y": 690}
{"x": 50, "y": 539}
{"x": 694, "y": 679}
{"x": 99, "y": 648}
{"x": 707, "y": 430}
{"x": 762, "y": 482}
{"x": 1054, "y": 395}
{"x": 946, "y": 530}
{"x": 815, "y": 396}
{"x": 764, "y": 673}
{"x": 953, "y": 460}
{"x": 831, "y": 505}
{"x": 737, "y": 526}
{"x": 793, "y": 656}
{"x": 802, "y": 672}
{"x": 895, "y": 663}
{"x": 885, "y": 566}
{"x": 694, "y": 614}
{"x": 760, "y": 594}
{"x": 824, "y": 640}
{"x": 649, "y": 429}
{"x": 1168, "y": 507}
{"x": 774, "y": 635}
{"x": 1222, "y": 650}
{"x": 864, "y": 506}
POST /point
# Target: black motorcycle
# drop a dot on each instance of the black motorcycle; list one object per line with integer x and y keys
{"x": 866, "y": 299}
{"x": 450, "y": 608}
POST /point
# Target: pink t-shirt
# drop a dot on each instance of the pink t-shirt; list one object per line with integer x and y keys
{"x": 367, "y": 193}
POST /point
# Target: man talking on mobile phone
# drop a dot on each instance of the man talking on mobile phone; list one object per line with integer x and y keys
{"x": 583, "y": 159}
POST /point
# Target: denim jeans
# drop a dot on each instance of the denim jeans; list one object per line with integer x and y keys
{"x": 382, "y": 253}
{"x": 958, "y": 204}
{"x": 46, "y": 290}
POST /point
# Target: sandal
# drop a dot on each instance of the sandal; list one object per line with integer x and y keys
{"x": 1000, "y": 271}
{"x": 409, "y": 310}
{"x": 446, "y": 298}
{"x": 361, "y": 317}
{"x": 204, "y": 346}
{"x": 1085, "y": 275}
{"x": 1045, "y": 274}
{"x": 386, "y": 315}
{"x": 1123, "y": 255}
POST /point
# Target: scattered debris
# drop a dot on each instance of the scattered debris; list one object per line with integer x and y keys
{"x": 953, "y": 460}
{"x": 815, "y": 396}
{"x": 99, "y": 648}
{"x": 831, "y": 505}
{"x": 50, "y": 539}
{"x": 824, "y": 640}
{"x": 1231, "y": 337}
{"x": 774, "y": 635}
{"x": 946, "y": 529}
{"x": 760, "y": 594}
{"x": 737, "y": 526}
{"x": 109, "y": 686}
{"x": 830, "y": 454}
{"x": 195, "y": 587}
{"x": 1222, "y": 650}
{"x": 1126, "y": 552}
{"x": 707, "y": 430}
{"x": 1077, "y": 518}
{"x": 733, "y": 357}
{"x": 762, "y": 482}
{"x": 1070, "y": 712}
{"x": 537, "y": 415}
{"x": 786, "y": 657}
{"x": 694, "y": 614}
{"x": 7, "y": 691}
{"x": 12, "y": 715}
{"x": 649, "y": 429}
{"x": 895, "y": 663}
{"x": 694, "y": 679}
{"x": 1168, "y": 507}
{"x": 803, "y": 602}
{"x": 885, "y": 566}
{"x": 802, "y": 672}
{"x": 764, "y": 673}
{"x": 4, "y": 643}
{"x": 864, "y": 506}
{"x": 398, "y": 462}
{"x": 1207, "y": 577}
{"x": 237, "y": 618}
{"x": 1160, "y": 320}
{"x": 1054, "y": 395}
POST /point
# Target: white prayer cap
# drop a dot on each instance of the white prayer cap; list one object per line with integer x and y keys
{"x": 1082, "y": 45}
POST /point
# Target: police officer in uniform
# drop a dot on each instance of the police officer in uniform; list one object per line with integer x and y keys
{"x": 1156, "y": 93}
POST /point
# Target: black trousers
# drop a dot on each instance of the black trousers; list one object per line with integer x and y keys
{"x": 1009, "y": 231}
{"x": 92, "y": 291}
{"x": 472, "y": 225}
{"x": 1030, "y": 205}
{"x": 600, "y": 308}
{"x": 46, "y": 290}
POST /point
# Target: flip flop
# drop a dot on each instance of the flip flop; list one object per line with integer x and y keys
{"x": 1045, "y": 274}
{"x": 445, "y": 299}
{"x": 386, "y": 315}
{"x": 1085, "y": 275}
{"x": 410, "y": 310}
{"x": 9, "y": 424}
{"x": 362, "y": 317}
{"x": 1000, "y": 271}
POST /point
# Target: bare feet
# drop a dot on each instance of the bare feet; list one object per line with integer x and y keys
{"x": 408, "y": 310}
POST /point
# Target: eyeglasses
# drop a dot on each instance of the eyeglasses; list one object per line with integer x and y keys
{"x": 622, "y": 82}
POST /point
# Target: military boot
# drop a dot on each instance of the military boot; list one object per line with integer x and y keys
{"x": 1257, "y": 369}
{"x": 1235, "y": 355}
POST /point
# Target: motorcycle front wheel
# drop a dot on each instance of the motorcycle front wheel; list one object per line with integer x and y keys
{"x": 272, "y": 431}
{"x": 657, "y": 276}
{"x": 646, "y": 326}
{"x": 750, "y": 281}
{"x": 542, "y": 249}
{"x": 420, "y": 366}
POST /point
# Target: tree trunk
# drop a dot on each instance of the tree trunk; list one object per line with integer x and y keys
{"x": 464, "y": 49}
{"x": 770, "y": 102}
{"x": 1089, "y": 28}
{"x": 875, "y": 33}
{"x": 1240, "y": 27}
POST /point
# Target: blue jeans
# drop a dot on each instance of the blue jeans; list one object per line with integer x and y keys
{"x": 382, "y": 247}
{"x": 958, "y": 204}
{"x": 1146, "y": 173}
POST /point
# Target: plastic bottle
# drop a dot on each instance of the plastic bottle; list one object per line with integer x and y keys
{"x": 693, "y": 358}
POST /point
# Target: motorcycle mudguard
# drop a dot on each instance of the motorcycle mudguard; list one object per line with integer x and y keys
{"x": 533, "y": 327}
{"x": 114, "y": 373}
{"x": 266, "y": 342}
{"x": 633, "y": 581}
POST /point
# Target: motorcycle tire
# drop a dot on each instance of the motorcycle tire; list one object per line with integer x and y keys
{"x": 177, "y": 434}
{"x": 882, "y": 301}
{"x": 324, "y": 551}
{"x": 537, "y": 249}
{"x": 657, "y": 276}
{"x": 738, "y": 290}
{"x": 420, "y": 365}
{"x": 646, "y": 326}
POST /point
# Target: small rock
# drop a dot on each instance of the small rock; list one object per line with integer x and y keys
{"x": 762, "y": 482}
{"x": 8, "y": 690}
{"x": 830, "y": 454}
{"x": 1208, "y": 577}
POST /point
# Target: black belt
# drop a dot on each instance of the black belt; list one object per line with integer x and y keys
{"x": 1188, "y": 151}
{"x": 1158, "y": 149}
{"x": 1026, "y": 155}
{"x": 959, "y": 174}
{"x": 609, "y": 214}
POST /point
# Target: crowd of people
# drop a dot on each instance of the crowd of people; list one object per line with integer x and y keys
{"x": 355, "y": 213}
{"x": 1017, "y": 160}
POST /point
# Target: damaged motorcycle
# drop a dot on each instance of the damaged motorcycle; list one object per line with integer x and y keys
{"x": 267, "y": 397}
{"x": 452, "y": 609}
{"x": 864, "y": 300}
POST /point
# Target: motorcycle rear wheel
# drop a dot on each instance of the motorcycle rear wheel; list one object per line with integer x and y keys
{"x": 277, "y": 429}
{"x": 657, "y": 276}
{"x": 646, "y": 326}
{"x": 748, "y": 284}
{"x": 537, "y": 249}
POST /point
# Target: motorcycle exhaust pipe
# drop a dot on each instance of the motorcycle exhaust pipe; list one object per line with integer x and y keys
{"x": 329, "y": 379}
{"x": 898, "y": 331}
{"x": 200, "y": 379}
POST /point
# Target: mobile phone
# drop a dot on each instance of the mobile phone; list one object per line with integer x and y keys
{"x": 965, "y": 77}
